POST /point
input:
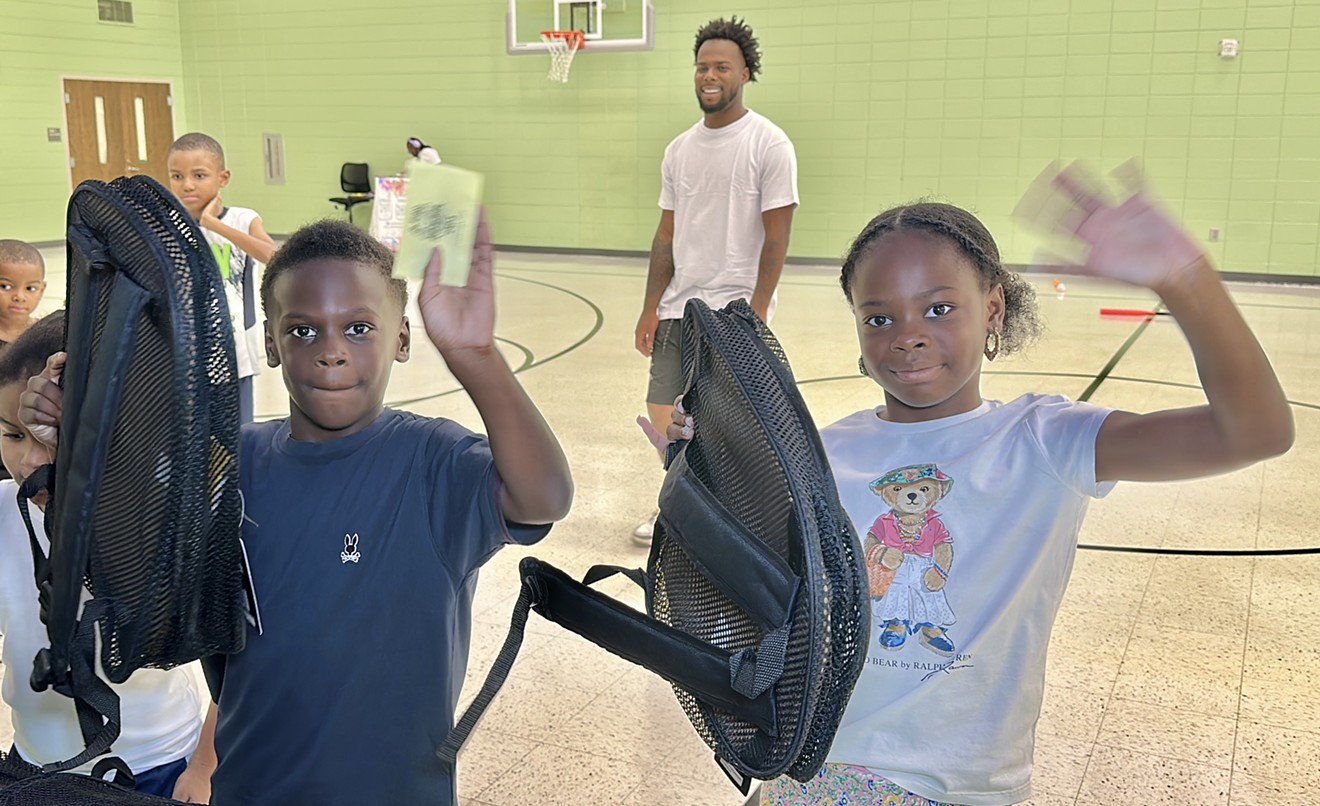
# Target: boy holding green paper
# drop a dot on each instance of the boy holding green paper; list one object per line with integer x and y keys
{"x": 365, "y": 527}
{"x": 366, "y": 587}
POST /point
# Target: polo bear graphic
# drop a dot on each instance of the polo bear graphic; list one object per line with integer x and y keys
{"x": 909, "y": 555}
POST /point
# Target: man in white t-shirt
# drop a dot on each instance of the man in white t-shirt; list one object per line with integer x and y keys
{"x": 729, "y": 188}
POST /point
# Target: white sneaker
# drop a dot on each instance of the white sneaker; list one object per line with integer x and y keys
{"x": 642, "y": 534}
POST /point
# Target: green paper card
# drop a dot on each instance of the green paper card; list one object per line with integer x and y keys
{"x": 441, "y": 213}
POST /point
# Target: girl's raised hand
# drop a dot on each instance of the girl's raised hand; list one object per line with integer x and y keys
{"x": 1134, "y": 241}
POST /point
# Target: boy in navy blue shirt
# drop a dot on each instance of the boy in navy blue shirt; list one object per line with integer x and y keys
{"x": 365, "y": 527}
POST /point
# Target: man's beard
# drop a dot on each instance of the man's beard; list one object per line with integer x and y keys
{"x": 726, "y": 100}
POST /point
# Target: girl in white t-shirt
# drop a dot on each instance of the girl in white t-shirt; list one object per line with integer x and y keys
{"x": 969, "y": 509}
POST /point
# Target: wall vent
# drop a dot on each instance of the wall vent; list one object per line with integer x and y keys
{"x": 272, "y": 149}
{"x": 115, "y": 11}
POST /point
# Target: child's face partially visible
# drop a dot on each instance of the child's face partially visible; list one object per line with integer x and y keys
{"x": 922, "y": 321}
{"x": 336, "y": 329}
{"x": 21, "y": 288}
{"x": 196, "y": 178}
{"x": 20, "y": 452}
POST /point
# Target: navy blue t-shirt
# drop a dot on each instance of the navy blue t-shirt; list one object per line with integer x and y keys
{"x": 364, "y": 553}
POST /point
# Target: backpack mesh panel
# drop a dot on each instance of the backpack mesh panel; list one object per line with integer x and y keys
{"x": 164, "y": 527}
{"x": 748, "y": 440}
{"x": 22, "y": 784}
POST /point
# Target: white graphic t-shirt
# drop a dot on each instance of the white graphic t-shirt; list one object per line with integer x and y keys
{"x": 161, "y": 709}
{"x": 239, "y": 270}
{"x": 718, "y": 182}
{"x": 969, "y": 528}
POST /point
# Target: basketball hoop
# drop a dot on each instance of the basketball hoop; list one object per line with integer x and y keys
{"x": 563, "y": 46}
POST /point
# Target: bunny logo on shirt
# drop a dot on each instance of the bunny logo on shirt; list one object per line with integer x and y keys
{"x": 350, "y": 554}
{"x": 909, "y": 555}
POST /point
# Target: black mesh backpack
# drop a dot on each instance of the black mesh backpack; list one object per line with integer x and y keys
{"x": 22, "y": 784}
{"x": 143, "y": 508}
{"x": 756, "y": 596}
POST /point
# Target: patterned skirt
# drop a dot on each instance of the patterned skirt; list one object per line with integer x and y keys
{"x": 838, "y": 784}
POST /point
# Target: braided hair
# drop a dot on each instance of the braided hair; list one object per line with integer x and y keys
{"x": 739, "y": 33}
{"x": 969, "y": 236}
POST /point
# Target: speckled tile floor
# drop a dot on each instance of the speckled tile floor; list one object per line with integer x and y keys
{"x": 1172, "y": 680}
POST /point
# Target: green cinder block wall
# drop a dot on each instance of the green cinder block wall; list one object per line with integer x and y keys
{"x": 41, "y": 43}
{"x": 886, "y": 101}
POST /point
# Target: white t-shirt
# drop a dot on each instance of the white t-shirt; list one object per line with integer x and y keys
{"x": 428, "y": 155}
{"x": 239, "y": 270}
{"x": 1006, "y": 487}
{"x": 718, "y": 182}
{"x": 161, "y": 710}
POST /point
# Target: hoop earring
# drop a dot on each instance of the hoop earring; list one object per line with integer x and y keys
{"x": 861, "y": 367}
{"x": 991, "y": 345}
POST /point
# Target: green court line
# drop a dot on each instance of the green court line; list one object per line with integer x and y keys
{"x": 1118, "y": 356}
{"x": 528, "y": 357}
{"x": 528, "y": 360}
{"x": 595, "y": 328}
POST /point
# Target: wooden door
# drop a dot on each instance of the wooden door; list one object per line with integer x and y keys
{"x": 118, "y": 128}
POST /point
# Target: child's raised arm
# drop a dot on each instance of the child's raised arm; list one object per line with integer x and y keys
{"x": 256, "y": 243}
{"x": 1247, "y": 417}
{"x": 461, "y": 324}
{"x": 40, "y": 407}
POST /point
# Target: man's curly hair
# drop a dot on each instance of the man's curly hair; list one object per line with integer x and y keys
{"x": 739, "y": 33}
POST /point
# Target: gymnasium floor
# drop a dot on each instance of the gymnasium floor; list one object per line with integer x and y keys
{"x": 1172, "y": 680}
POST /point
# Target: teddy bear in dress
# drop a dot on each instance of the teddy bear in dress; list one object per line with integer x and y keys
{"x": 909, "y": 555}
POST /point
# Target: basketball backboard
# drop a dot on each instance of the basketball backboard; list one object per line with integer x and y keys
{"x": 607, "y": 25}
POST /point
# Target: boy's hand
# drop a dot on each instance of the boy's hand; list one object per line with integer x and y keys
{"x": 461, "y": 319}
{"x": 1133, "y": 241}
{"x": 193, "y": 786}
{"x": 40, "y": 407}
{"x": 211, "y": 212}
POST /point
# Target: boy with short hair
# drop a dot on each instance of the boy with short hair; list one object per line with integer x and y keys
{"x": 161, "y": 709}
{"x": 196, "y": 164}
{"x": 365, "y": 527}
{"x": 22, "y": 284}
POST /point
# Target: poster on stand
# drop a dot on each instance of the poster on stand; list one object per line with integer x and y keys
{"x": 387, "y": 210}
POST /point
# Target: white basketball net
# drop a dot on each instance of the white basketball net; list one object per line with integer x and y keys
{"x": 562, "y": 50}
